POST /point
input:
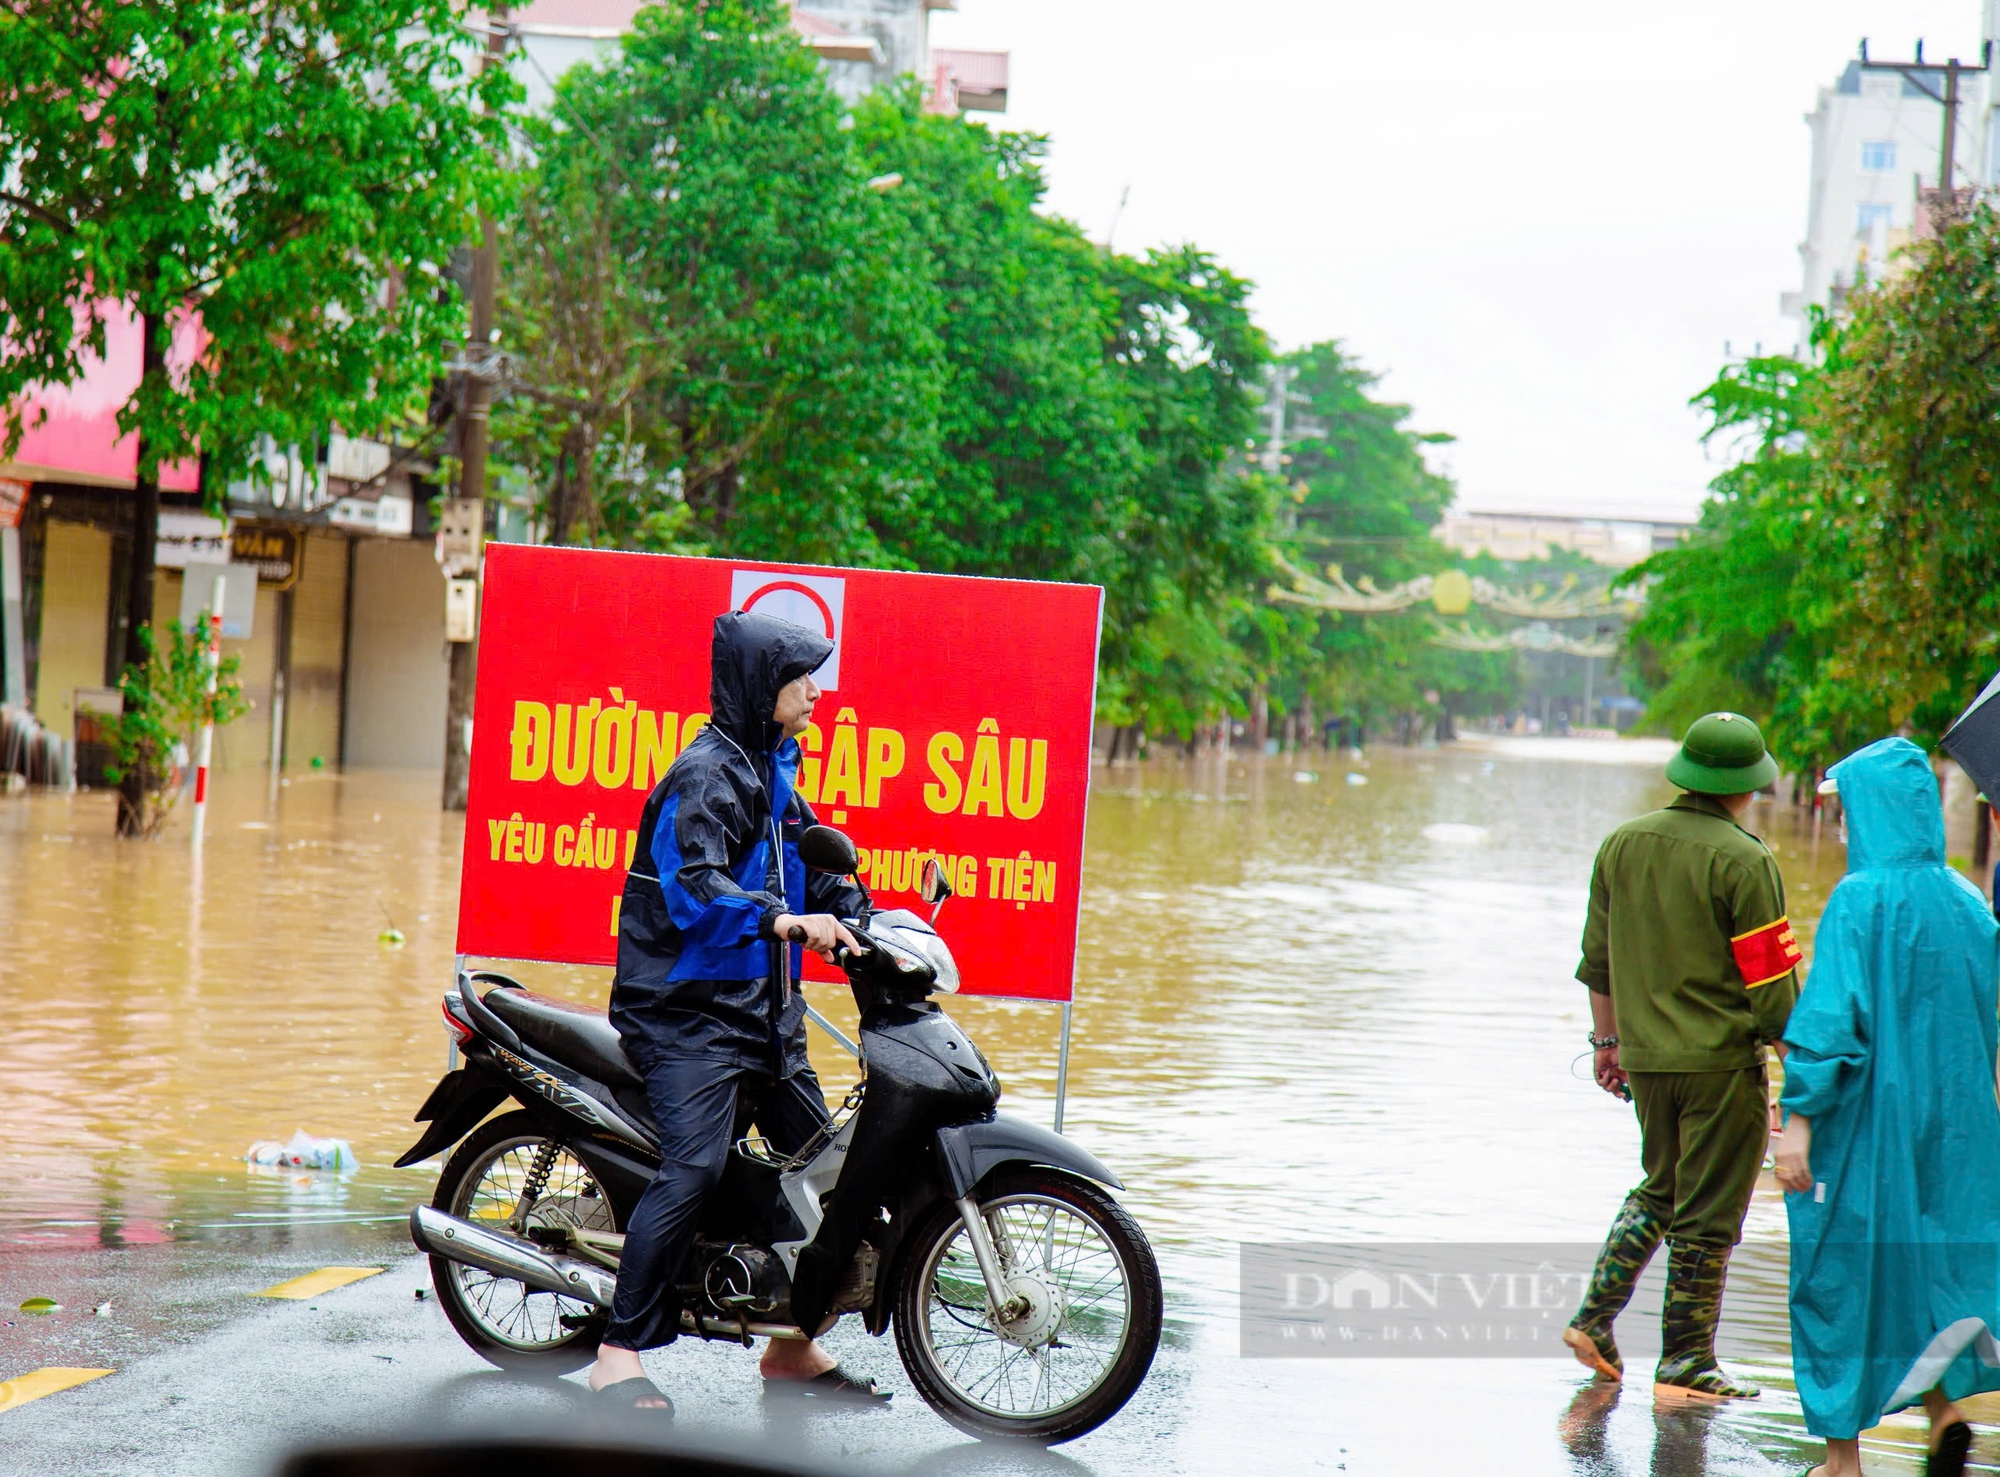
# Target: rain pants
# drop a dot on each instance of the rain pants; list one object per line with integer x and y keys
{"x": 1895, "y": 1251}
{"x": 705, "y": 999}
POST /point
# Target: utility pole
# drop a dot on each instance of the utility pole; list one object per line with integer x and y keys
{"x": 1918, "y": 74}
{"x": 1275, "y": 399}
{"x": 1948, "y": 146}
{"x": 472, "y": 439}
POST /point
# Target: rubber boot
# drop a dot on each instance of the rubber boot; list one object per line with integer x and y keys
{"x": 1695, "y": 1275}
{"x": 1634, "y": 1235}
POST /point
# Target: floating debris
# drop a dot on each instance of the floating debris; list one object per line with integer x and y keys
{"x": 1305, "y": 776}
{"x": 1354, "y": 778}
{"x": 304, "y": 1152}
{"x": 41, "y": 1306}
{"x": 1454, "y": 833}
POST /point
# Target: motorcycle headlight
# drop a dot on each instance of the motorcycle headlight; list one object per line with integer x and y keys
{"x": 915, "y": 950}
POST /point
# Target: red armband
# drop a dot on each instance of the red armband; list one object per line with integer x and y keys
{"x": 1767, "y": 953}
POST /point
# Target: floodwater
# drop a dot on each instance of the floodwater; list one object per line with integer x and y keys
{"x": 1319, "y": 999}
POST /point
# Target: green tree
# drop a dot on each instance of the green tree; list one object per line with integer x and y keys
{"x": 1091, "y": 417}
{"x": 1036, "y": 445}
{"x": 1364, "y": 497}
{"x": 1845, "y": 579}
{"x": 1738, "y": 616}
{"x": 1907, "y": 459}
{"x": 276, "y": 184}
{"x": 1192, "y": 542}
{"x": 711, "y": 293}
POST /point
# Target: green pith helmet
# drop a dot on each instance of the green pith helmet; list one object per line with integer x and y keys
{"x": 1723, "y": 754}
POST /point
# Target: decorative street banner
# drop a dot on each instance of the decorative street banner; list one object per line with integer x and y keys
{"x": 955, "y": 723}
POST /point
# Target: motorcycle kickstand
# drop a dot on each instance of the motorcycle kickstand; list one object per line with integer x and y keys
{"x": 1000, "y": 1300}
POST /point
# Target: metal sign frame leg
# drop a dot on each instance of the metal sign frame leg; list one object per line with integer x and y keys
{"x": 839, "y": 1036}
{"x": 1062, "y": 1066}
{"x": 451, "y": 1042}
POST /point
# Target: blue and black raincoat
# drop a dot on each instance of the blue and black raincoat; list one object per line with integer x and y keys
{"x": 699, "y": 971}
{"x": 1896, "y": 1248}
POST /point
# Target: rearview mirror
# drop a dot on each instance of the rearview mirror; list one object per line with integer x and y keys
{"x": 826, "y": 850}
{"x": 931, "y": 885}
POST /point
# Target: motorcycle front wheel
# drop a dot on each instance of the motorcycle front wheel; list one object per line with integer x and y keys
{"x": 510, "y": 1177}
{"x": 1069, "y": 1361}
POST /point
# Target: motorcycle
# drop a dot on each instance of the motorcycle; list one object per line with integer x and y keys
{"x": 1025, "y": 1300}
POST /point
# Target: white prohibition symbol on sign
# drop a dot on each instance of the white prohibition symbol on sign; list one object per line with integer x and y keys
{"x": 815, "y": 601}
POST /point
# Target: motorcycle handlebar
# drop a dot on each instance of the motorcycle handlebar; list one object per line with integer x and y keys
{"x": 841, "y": 953}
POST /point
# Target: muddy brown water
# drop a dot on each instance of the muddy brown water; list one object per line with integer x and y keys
{"x": 1319, "y": 998}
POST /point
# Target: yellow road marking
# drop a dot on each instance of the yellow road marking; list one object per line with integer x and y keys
{"x": 39, "y": 1382}
{"x": 326, "y": 1279}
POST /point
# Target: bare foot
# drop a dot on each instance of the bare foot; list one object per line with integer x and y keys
{"x": 794, "y": 1359}
{"x": 1943, "y": 1416}
{"x": 614, "y": 1365}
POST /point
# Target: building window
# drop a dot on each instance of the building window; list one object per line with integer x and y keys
{"x": 1879, "y": 155}
{"x": 1871, "y": 212}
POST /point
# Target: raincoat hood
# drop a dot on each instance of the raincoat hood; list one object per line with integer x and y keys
{"x": 751, "y": 660}
{"x": 1890, "y": 796}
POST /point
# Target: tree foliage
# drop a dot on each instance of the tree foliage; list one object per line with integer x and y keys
{"x": 752, "y": 322}
{"x": 1363, "y": 496}
{"x": 288, "y": 176}
{"x": 1844, "y": 582}
{"x": 715, "y": 310}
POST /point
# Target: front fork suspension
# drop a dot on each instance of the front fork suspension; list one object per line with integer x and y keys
{"x": 1001, "y": 1301}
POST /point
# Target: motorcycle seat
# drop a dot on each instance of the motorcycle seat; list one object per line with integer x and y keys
{"x": 575, "y": 1035}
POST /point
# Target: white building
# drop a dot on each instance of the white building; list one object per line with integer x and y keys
{"x": 862, "y": 43}
{"x": 1617, "y": 543}
{"x": 1877, "y": 138}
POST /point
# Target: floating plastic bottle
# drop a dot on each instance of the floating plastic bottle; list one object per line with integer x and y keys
{"x": 304, "y": 1152}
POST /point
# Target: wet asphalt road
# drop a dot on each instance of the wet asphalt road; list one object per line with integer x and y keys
{"x": 212, "y": 1380}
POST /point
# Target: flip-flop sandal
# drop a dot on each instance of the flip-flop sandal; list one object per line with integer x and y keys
{"x": 1953, "y": 1447}
{"x": 833, "y": 1384}
{"x": 627, "y": 1394}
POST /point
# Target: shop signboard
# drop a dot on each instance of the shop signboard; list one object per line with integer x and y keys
{"x": 181, "y": 539}
{"x": 273, "y": 548}
{"x": 955, "y": 724}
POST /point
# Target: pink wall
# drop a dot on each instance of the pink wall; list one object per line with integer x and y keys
{"x": 79, "y": 441}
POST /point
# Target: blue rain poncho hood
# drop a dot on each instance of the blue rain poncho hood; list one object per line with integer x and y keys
{"x": 1895, "y": 1282}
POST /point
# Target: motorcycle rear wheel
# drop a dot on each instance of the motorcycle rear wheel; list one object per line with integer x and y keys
{"x": 503, "y": 1321}
{"x": 1068, "y": 1235}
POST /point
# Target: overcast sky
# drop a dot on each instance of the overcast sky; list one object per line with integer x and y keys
{"x": 1539, "y": 222}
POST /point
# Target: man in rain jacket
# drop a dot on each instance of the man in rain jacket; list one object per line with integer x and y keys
{"x": 1891, "y": 1149}
{"x": 706, "y": 997}
{"x": 1688, "y": 957}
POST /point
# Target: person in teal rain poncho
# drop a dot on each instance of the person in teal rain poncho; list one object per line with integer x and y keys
{"x": 1891, "y": 1149}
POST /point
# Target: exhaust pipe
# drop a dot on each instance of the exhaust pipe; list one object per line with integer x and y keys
{"x": 504, "y": 1256}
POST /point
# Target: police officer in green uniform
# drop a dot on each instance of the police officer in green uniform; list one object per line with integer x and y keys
{"x": 1690, "y": 964}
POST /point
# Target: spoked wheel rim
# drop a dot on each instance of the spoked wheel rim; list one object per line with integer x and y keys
{"x": 1064, "y": 1347}
{"x": 493, "y": 1195}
